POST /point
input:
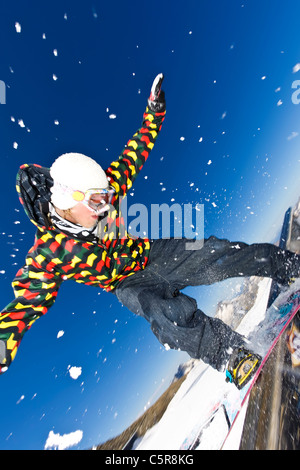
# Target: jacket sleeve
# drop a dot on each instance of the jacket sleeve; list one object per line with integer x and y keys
{"x": 35, "y": 292}
{"x": 123, "y": 171}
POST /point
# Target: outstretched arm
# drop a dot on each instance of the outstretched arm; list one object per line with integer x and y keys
{"x": 123, "y": 171}
{"x": 35, "y": 292}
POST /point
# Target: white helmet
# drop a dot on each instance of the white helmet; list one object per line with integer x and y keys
{"x": 74, "y": 172}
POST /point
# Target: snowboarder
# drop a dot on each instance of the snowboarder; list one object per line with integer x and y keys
{"x": 81, "y": 236}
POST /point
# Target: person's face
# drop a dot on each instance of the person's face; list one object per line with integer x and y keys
{"x": 87, "y": 215}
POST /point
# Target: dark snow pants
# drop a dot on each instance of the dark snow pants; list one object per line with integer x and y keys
{"x": 154, "y": 293}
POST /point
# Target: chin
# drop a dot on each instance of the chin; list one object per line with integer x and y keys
{"x": 88, "y": 225}
{"x": 92, "y": 224}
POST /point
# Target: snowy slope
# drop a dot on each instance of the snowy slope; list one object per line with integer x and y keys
{"x": 197, "y": 398}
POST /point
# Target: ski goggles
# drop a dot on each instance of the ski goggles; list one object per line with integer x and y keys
{"x": 96, "y": 199}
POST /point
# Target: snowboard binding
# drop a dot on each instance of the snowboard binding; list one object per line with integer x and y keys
{"x": 241, "y": 367}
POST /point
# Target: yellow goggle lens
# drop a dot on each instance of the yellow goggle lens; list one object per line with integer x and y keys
{"x": 78, "y": 196}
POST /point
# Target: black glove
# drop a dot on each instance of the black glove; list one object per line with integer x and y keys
{"x": 156, "y": 101}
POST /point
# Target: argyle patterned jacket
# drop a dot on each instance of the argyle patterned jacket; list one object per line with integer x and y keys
{"x": 56, "y": 256}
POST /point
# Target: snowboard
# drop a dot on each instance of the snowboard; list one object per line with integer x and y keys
{"x": 282, "y": 311}
{"x": 228, "y": 403}
{"x": 279, "y": 316}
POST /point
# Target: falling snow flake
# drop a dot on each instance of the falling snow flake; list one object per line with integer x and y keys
{"x": 296, "y": 68}
{"x": 293, "y": 135}
{"x": 94, "y": 12}
{"x": 20, "y": 399}
{"x": 21, "y": 123}
{"x": 74, "y": 372}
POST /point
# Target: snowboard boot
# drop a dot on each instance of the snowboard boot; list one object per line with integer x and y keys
{"x": 241, "y": 366}
{"x": 293, "y": 341}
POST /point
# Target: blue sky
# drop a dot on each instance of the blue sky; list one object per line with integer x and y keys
{"x": 230, "y": 141}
